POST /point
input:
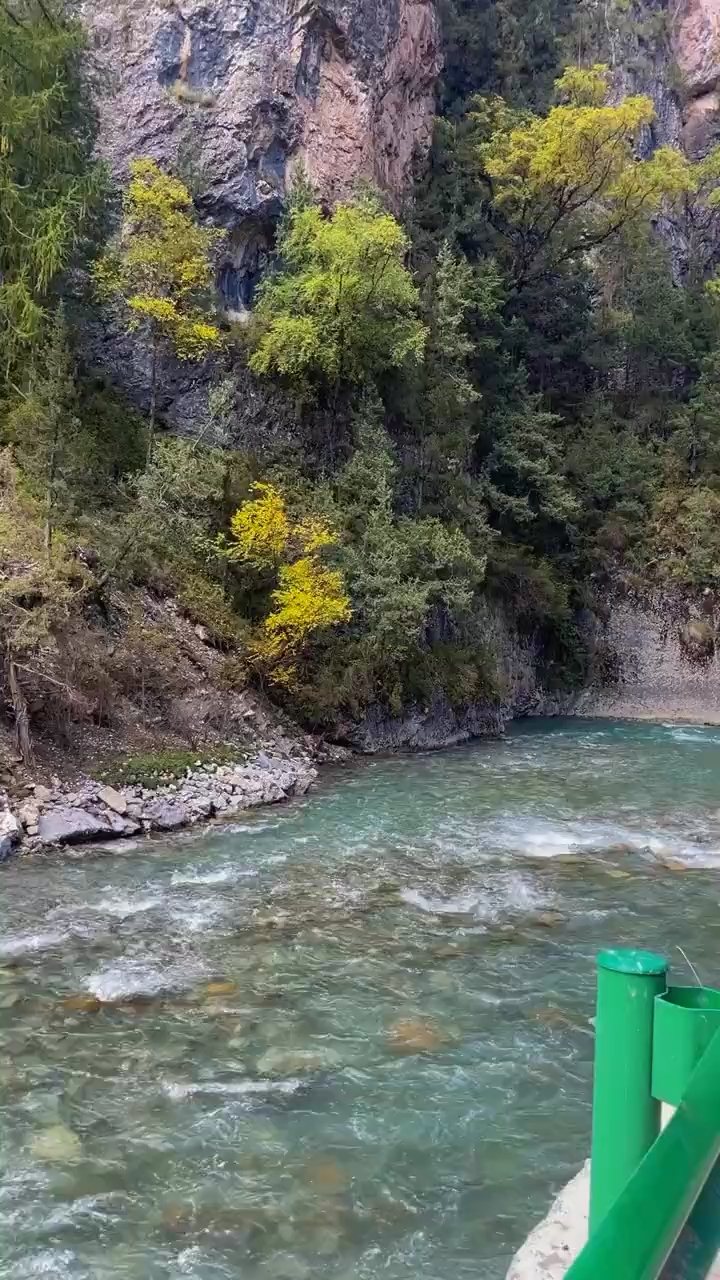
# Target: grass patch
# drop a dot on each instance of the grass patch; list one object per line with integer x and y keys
{"x": 156, "y": 767}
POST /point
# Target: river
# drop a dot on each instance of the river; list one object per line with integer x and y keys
{"x": 345, "y": 1038}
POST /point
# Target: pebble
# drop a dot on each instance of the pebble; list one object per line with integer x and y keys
{"x": 414, "y": 1035}
{"x": 220, "y": 989}
{"x": 82, "y": 1003}
{"x": 285, "y": 1266}
{"x": 549, "y": 919}
{"x": 291, "y": 1062}
{"x": 326, "y": 1174}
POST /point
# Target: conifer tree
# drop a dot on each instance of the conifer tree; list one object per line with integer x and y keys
{"x": 45, "y": 427}
{"x": 49, "y": 187}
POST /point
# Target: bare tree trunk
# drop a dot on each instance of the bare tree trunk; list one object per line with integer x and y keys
{"x": 153, "y": 401}
{"x": 20, "y": 711}
{"x": 50, "y": 494}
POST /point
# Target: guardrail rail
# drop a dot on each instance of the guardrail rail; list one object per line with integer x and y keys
{"x": 654, "y": 1191}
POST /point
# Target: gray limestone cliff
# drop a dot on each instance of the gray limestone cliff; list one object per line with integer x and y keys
{"x": 237, "y": 93}
{"x": 236, "y": 96}
{"x": 657, "y": 658}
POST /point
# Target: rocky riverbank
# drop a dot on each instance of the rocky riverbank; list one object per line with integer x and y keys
{"x": 89, "y": 810}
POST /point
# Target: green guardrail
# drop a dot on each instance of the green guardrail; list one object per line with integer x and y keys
{"x": 654, "y": 1195}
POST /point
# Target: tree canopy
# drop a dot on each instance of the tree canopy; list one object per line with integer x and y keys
{"x": 50, "y": 188}
{"x": 341, "y": 306}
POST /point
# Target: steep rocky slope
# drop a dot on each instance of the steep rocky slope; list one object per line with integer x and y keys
{"x": 695, "y": 45}
{"x": 237, "y": 93}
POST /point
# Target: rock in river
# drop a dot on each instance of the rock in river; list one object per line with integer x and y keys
{"x": 56, "y": 1143}
{"x": 414, "y": 1035}
{"x": 10, "y": 833}
{"x": 113, "y": 799}
{"x": 166, "y": 815}
{"x": 69, "y": 826}
{"x": 292, "y": 1062}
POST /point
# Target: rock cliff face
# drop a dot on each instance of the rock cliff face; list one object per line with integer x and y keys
{"x": 695, "y": 45}
{"x": 236, "y": 93}
{"x": 669, "y": 49}
{"x": 661, "y": 661}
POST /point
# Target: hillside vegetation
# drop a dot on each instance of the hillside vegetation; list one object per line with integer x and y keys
{"x": 509, "y": 399}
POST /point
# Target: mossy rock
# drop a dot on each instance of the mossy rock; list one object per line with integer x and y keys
{"x": 697, "y": 639}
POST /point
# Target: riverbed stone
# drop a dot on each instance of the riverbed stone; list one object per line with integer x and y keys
{"x": 549, "y": 919}
{"x": 57, "y": 1143}
{"x": 89, "y": 810}
{"x": 10, "y": 833}
{"x": 415, "y": 1035}
{"x": 28, "y": 814}
{"x": 292, "y": 1062}
{"x": 84, "y": 1002}
{"x": 67, "y": 825}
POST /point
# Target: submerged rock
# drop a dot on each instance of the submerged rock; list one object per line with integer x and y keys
{"x": 57, "y": 1143}
{"x": 325, "y": 1174}
{"x": 82, "y": 1003}
{"x": 221, "y": 989}
{"x": 414, "y": 1035}
{"x": 285, "y": 1266}
{"x": 549, "y": 919}
{"x": 291, "y": 1062}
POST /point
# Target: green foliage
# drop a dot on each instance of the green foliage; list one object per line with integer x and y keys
{"x": 35, "y": 596}
{"x": 507, "y": 47}
{"x": 413, "y": 586}
{"x": 342, "y": 307}
{"x": 687, "y": 536}
{"x": 49, "y": 187}
{"x": 500, "y": 410}
{"x": 151, "y": 769}
{"x": 45, "y": 428}
{"x": 161, "y": 269}
{"x": 437, "y": 404}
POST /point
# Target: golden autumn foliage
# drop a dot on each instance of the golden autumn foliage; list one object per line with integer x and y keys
{"x": 161, "y": 269}
{"x": 260, "y": 528}
{"x": 162, "y": 263}
{"x": 571, "y": 179}
{"x": 308, "y": 598}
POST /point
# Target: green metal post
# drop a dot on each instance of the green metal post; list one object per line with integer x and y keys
{"x": 636, "y": 1237}
{"x": 626, "y": 1117}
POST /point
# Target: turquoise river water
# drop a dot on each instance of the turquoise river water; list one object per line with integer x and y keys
{"x": 350, "y": 1037}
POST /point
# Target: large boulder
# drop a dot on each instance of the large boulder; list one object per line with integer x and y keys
{"x": 66, "y": 825}
{"x": 10, "y": 833}
{"x": 166, "y": 815}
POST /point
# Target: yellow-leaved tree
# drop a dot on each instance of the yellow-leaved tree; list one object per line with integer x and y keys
{"x": 567, "y": 182}
{"x": 160, "y": 269}
{"x": 343, "y": 307}
{"x": 308, "y": 597}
